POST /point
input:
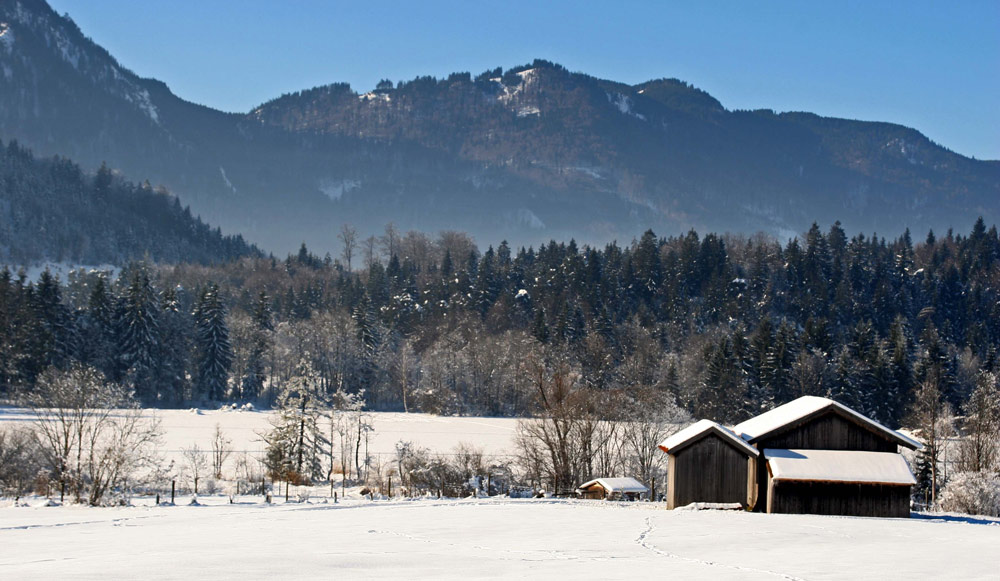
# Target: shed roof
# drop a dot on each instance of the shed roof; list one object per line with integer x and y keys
{"x": 616, "y": 485}
{"x": 846, "y": 466}
{"x": 695, "y": 431}
{"x": 771, "y": 421}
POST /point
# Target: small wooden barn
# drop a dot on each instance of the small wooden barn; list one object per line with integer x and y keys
{"x": 707, "y": 462}
{"x": 820, "y": 456}
{"x": 612, "y": 489}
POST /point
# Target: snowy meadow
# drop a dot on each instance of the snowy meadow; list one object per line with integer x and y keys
{"x": 223, "y": 535}
{"x": 482, "y": 538}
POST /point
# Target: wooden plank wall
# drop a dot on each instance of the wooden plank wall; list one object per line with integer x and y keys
{"x": 829, "y": 432}
{"x": 839, "y": 499}
{"x": 709, "y": 470}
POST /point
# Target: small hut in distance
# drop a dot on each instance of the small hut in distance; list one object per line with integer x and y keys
{"x": 612, "y": 489}
{"x": 707, "y": 447}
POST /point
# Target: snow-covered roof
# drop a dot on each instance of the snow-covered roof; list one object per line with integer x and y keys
{"x": 838, "y": 466}
{"x": 770, "y": 421}
{"x": 697, "y": 429}
{"x": 616, "y": 485}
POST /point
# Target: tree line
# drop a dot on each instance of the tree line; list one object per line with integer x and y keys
{"x": 716, "y": 326}
{"x": 729, "y": 325}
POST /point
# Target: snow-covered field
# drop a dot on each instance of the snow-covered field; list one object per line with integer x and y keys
{"x": 430, "y": 538}
{"x": 185, "y": 428}
{"x": 482, "y": 538}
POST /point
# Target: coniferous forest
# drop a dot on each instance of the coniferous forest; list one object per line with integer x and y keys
{"x": 50, "y": 209}
{"x": 727, "y": 325}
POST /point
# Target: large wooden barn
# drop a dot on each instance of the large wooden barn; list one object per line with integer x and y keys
{"x": 814, "y": 455}
{"x": 709, "y": 448}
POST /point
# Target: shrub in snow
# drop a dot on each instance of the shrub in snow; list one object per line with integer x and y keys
{"x": 972, "y": 493}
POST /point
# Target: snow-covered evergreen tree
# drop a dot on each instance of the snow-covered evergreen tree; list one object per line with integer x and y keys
{"x": 296, "y": 443}
{"x": 214, "y": 351}
{"x": 174, "y": 351}
{"x": 138, "y": 333}
{"x": 252, "y": 383}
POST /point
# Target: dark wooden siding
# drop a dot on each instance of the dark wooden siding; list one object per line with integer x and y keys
{"x": 793, "y": 497}
{"x": 829, "y": 432}
{"x": 826, "y": 431}
{"x": 709, "y": 470}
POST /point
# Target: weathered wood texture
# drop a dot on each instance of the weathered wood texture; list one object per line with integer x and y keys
{"x": 709, "y": 470}
{"x": 839, "y": 498}
{"x": 828, "y": 430}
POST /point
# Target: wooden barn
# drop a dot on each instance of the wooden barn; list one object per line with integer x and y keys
{"x": 812, "y": 455}
{"x": 707, "y": 462}
{"x": 822, "y": 457}
{"x": 612, "y": 489}
{"x": 838, "y": 482}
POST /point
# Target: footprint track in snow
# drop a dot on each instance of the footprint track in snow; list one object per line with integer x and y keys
{"x": 644, "y": 543}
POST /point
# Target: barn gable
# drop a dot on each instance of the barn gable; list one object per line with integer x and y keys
{"x": 708, "y": 463}
{"x": 698, "y": 430}
{"x": 820, "y": 423}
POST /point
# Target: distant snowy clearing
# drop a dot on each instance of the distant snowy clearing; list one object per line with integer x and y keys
{"x": 439, "y": 434}
{"x": 491, "y": 538}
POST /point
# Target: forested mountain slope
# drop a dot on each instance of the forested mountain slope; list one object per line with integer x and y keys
{"x": 50, "y": 210}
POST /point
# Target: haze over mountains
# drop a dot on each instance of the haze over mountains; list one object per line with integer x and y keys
{"x": 528, "y": 153}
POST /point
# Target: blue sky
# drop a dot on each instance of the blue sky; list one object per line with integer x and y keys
{"x": 934, "y": 66}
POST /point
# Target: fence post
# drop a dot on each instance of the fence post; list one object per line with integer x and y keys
{"x": 173, "y": 490}
{"x": 390, "y": 488}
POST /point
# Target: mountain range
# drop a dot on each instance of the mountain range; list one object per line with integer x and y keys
{"x": 525, "y": 154}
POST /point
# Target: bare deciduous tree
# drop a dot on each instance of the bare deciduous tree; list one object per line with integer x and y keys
{"x": 349, "y": 238}
{"x": 195, "y": 464}
{"x": 20, "y": 460}
{"x": 389, "y": 242}
{"x": 931, "y": 415}
{"x": 91, "y": 432}
{"x": 222, "y": 448}
{"x": 555, "y": 442}
{"x": 979, "y": 449}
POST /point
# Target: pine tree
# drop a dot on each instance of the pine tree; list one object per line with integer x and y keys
{"x": 174, "y": 352}
{"x": 252, "y": 384}
{"x": 56, "y": 330}
{"x": 97, "y": 329}
{"x": 296, "y": 441}
{"x": 540, "y": 329}
{"x": 215, "y": 354}
{"x": 138, "y": 334}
